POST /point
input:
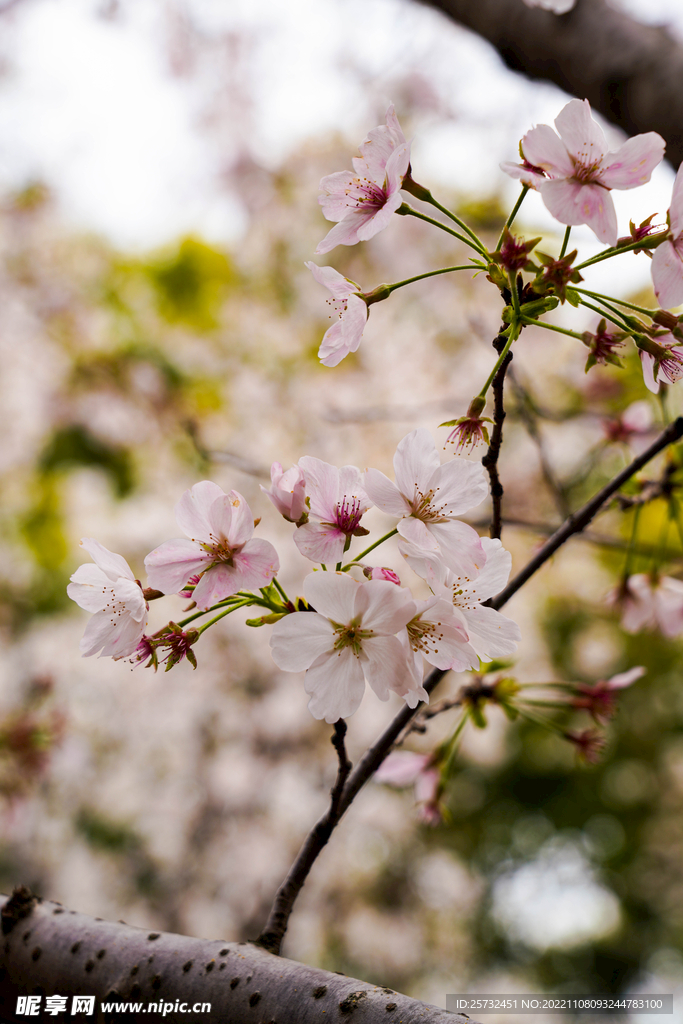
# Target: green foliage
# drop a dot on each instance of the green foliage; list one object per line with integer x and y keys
{"x": 191, "y": 282}
{"x": 75, "y": 446}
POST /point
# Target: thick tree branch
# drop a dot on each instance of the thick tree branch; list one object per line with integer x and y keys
{"x": 490, "y": 460}
{"x": 630, "y": 72}
{"x": 53, "y": 951}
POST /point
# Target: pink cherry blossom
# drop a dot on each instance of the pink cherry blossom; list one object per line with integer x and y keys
{"x": 580, "y": 170}
{"x": 667, "y": 262}
{"x": 337, "y": 503}
{"x": 427, "y": 497}
{"x": 288, "y": 492}
{"x": 661, "y": 360}
{"x": 350, "y": 313}
{"x": 648, "y": 603}
{"x": 220, "y": 548}
{"x": 438, "y": 633}
{"x": 381, "y": 573}
{"x": 637, "y": 419}
{"x": 489, "y": 634}
{"x": 600, "y": 700}
{"x": 363, "y": 200}
{"x": 405, "y": 768}
{"x": 111, "y": 592}
{"x": 348, "y": 640}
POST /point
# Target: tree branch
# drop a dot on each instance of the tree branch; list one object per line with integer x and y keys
{"x": 629, "y": 71}
{"x": 579, "y": 520}
{"x": 490, "y": 460}
{"x": 53, "y": 951}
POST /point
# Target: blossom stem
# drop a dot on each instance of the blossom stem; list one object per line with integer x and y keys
{"x": 227, "y": 611}
{"x": 513, "y": 214}
{"x": 545, "y": 723}
{"x": 652, "y": 242}
{"x": 499, "y": 362}
{"x": 281, "y": 592}
{"x": 621, "y": 324}
{"x": 565, "y": 241}
{"x": 619, "y": 302}
{"x": 453, "y": 743}
{"x": 433, "y": 202}
{"x": 406, "y": 210}
{"x": 430, "y": 273}
{"x": 369, "y": 549}
{"x": 551, "y": 327}
{"x": 630, "y": 551}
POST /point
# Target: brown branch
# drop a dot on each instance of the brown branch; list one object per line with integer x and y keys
{"x": 48, "y": 950}
{"x": 579, "y": 520}
{"x": 629, "y": 71}
{"x": 275, "y": 927}
{"x": 490, "y": 460}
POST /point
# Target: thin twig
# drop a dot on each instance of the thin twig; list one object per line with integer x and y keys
{"x": 344, "y": 792}
{"x": 490, "y": 460}
{"x": 579, "y": 520}
{"x": 273, "y": 933}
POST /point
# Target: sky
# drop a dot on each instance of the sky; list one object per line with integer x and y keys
{"x": 89, "y": 104}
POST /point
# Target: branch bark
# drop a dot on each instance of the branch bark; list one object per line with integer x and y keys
{"x": 630, "y": 72}
{"x": 53, "y": 951}
{"x": 490, "y": 460}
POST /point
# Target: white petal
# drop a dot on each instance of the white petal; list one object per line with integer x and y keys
{"x": 415, "y": 461}
{"x": 337, "y": 685}
{"x": 333, "y": 594}
{"x": 401, "y": 768}
{"x": 495, "y": 573}
{"x": 113, "y": 565}
{"x": 384, "y": 664}
{"x": 460, "y": 547}
{"x": 299, "y": 639}
{"x": 170, "y": 566}
{"x": 322, "y": 487}
{"x": 459, "y": 485}
{"x": 320, "y": 542}
{"x": 89, "y": 588}
{"x": 384, "y": 608}
{"x": 192, "y": 511}
{"x": 385, "y": 494}
{"x": 492, "y": 635}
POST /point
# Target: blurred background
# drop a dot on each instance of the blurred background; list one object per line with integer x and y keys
{"x": 159, "y": 169}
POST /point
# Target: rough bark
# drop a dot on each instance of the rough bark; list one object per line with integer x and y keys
{"x": 628, "y": 71}
{"x": 54, "y": 951}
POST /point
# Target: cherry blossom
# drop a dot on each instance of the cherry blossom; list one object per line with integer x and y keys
{"x": 661, "y": 360}
{"x": 349, "y": 639}
{"x": 636, "y": 419}
{"x": 111, "y": 592}
{"x": 650, "y": 603}
{"x": 427, "y": 497}
{"x": 405, "y": 768}
{"x": 601, "y": 700}
{"x": 337, "y": 502}
{"x": 288, "y": 492}
{"x": 667, "y": 262}
{"x": 489, "y": 634}
{"x": 589, "y": 744}
{"x": 363, "y": 200}
{"x": 350, "y": 313}
{"x": 439, "y": 634}
{"x": 580, "y": 169}
{"x": 376, "y": 572}
{"x": 220, "y": 548}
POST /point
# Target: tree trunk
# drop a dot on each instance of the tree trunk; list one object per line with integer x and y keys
{"x": 48, "y": 950}
{"x": 630, "y": 72}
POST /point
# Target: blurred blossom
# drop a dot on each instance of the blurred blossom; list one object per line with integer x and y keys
{"x": 636, "y": 419}
{"x": 404, "y": 768}
{"x": 556, "y": 6}
{"x": 600, "y": 700}
{"x": 649, "y": 602}
{"x": 667, "y": 261}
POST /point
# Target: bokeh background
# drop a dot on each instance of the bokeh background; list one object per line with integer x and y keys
{"x": 159, "y": 166}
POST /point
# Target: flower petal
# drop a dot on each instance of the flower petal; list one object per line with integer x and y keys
{"x": 331, "y": 279}
{"x": 384, "y": 664}
{"x": 676, "y": 208}
{"x": 458, "y": 486}
{"x": 495, "y": 573}
{"x": 624, "y": 679}
{"x": 231, "y": 520}
{"x": 634, "y": 162}
{"x": 542, "y": 148}
{"x": 346, "y": 232}
{"x": 345, "y": 334}
{"x": 648, "y": 365}
{"x": 299, "y": 639}
{"x": 401, "y": 768}
{"x": 322, "y": 487}
{"x": 337, "y": 685}
{"x": 320, "y": 542}
{"x": 492, "y": 635}
{"x": 385, "y": 494}
{"x": 570, "y": 202}
{"x": 384, "y": 608}
{"x": 667, "y": 275}
{"x": 380, "y": 218}
{"x": 415, "y": 461}
{"x": 192, "y": 510}
{"x": 524, "y": 174}
{"x": 460, "y": 547}
{"x": 333, "y": 594}
{"x": 581, "y": 134}
{"x": 90, "y": 588}
{"x": 113, "y": 565}
{"x": 170, "y": 566}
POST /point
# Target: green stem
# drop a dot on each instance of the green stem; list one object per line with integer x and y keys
{"x": 621, "y": 324}
{"x": 546, "y": 723}
{"x": 617, "y": 250}
{"x": 513, "y": 214}
{"x": 513, "y": 292}
{"x": 480, "y": 245}
{"x": 452, "y": 744}
{"x": 630, "y": 551}
{"x": 499, "y": 362}
{"x": 429, "y": 273}
{"x": 620, "y": 302}
{"x": 407, "y": 211}
{"x": 371, "y": 548}
{"x": 243, "y": 604}
{"x": 565, "y": 241}
{"x": 280, "y": 590}
{"x": 551, "y": 327}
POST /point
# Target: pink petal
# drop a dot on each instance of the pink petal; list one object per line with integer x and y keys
{"x": 417, "y": 533}
{"x": 426, "y": 787}
{"x": 331, "y": 279}
{"x": 345, "y": 335}
{"x": 573, "y": 203}
{"x": 124, "y": 639}
{"x": 583, "y": 137}
{"x": 299, "y": 639}
{"x": 230, "y": 519}
{"x": 333, "y": 594}
{"x": 397, "y": 168}
{"x": 113, "y": 565}
{"x": 380, "y": 219}
{"x": 192, "y": 510}
{"x": 383, "y": 607}
{"x": 129, "y": 592}
{"x": 337, "y": 685}
{"x": 667, "y": 275}
{"x": 648, "y": 364}
{"x": 634, "y": 162}
{"x": 320, "y": 542}
{"x": 385, "y": 494}
{"x": 624, "y": 679}
{"x": 334, "y": 197}
{"x": 217, "y": 583}
{"x": 256, "y": 564}
{"x": 495, "y": 573}
{"x": 415, "y": 461}
{"x": 351, "y": 486}
{"x": 676, "y": 208}
{"x": 322, "y": 487}
{"x": 526, "y": 176}
{"x": 170, "y": 566}
{"x": 346, "y": 232}
{"x": 384, "y": 665}
{"x": 542, "y": 148}
{"x": 401, "y": 768}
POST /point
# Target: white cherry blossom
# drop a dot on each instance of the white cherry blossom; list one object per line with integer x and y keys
{"x": 109, "y": 590}
{"x": 349, "y": 639}
{"x": 349, "y": 311}
{"x": 220, "y": 548}
{"x": 427, "y": 498}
